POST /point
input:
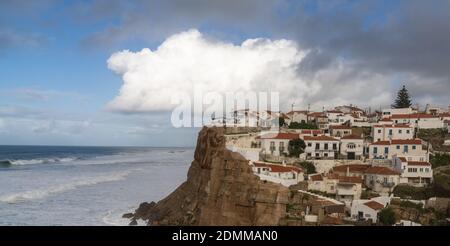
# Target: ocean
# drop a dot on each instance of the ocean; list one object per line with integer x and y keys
{"x": 46, "y": 185}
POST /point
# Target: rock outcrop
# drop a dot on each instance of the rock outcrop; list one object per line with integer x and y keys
{"x": 220, "y": 189}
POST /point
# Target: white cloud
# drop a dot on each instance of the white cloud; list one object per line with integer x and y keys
{"x": 189, "y": 59}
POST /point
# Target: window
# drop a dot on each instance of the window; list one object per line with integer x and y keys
{"x": 335, "y": 146}
{"x": 407, "y": 131}
{"x": 281, "y": 147}
{"x": 399, "y": 131}
{"x": 385, "y": 180}
{"x": 272, "y": 146}
{"x": 317, "y": 146}
{"x": 405, "y": 148}
{"x": 326, "y": 146}
{"x": 308, "y": 154}
{"x": 317, "y": 154}
{"x": 421, "y": 169}
{"x": 309, "y": 144}
{"x": 427, "y": 170}
{"x": 390, "y": 131}
{"x": 386, "y": 150}
{"x": 379, "y": 131}
{"x": 413, "y": 147}
{"x": 375, "y": 150}
{"x": 398, "y": 146}
{"x": 325, "y": 154}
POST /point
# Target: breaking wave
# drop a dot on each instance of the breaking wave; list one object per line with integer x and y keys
{"x": 42, "y": 193}
{"x": 36, "y": 161}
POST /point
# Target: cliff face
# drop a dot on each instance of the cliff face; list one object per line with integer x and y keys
{"x": 220, "y": 189}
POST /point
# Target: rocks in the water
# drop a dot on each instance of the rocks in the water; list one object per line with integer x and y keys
{"x": 220, "y": 189}
{"x": 128, "y": 215}
{"x": 133, "y": 222}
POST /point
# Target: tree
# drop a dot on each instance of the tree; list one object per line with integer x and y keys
{"x": 387, "y": 216}
{"x": 301, "y": 125}
{"x": 308, "y": 166}
{"x": 403, "y": 99}
{"x": 296, "y": 147}
{"x": 281, "y": 121}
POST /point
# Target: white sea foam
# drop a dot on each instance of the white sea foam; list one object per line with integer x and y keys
{"x": 114, "y": 217}
{"x": 42, "y": 193}
{"x": 42, "y": 161}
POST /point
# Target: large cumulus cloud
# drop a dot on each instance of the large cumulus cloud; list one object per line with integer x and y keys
{"x": 189, "y": 59}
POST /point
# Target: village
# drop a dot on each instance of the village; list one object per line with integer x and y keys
{"x": 355, "y": 166}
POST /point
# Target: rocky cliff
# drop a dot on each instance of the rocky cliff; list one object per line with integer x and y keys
{"x": 220, "y": 189}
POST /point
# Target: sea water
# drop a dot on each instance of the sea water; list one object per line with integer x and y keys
{"x": 46, "y": 185}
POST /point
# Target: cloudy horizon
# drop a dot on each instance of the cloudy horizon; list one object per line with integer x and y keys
{"x": 101, "y": 72}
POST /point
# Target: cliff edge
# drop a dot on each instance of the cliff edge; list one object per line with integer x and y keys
{"x": 220, "y": 189}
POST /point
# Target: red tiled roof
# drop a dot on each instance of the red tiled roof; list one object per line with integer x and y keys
{"x": 278, "y": 168}
{"x": 317, "y": 114}
{"x": 316, "y": 177}
{"x": 374, "y": 205}
{"x": 349, "y": 179}
{"x": 334, "y": 111}
{"x": 340, "y": 127}
{"x": 418, "y": 163}
{"x": 353, "y": 168}
{"x": 406, "y": 141}
{"x": 444, "y": 115}
{"x": 381, "y": 171}
{"x": 351, "y": 137}
{"x": 280, "y": 135}
{"x": 413, "y": 116}
{"x": 381, "y": 143}
{"x": 403, "y": 159}
{"x": 319, "y": 138}
{"x": 297, "y": 111}
{"x": 394, "y": 126}
{"x": 311, "y": 131}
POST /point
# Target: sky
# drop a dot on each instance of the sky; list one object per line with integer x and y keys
{"x": 101, "y": 72}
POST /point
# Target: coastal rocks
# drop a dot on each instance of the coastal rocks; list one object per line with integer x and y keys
{"x": 220, "y": 189}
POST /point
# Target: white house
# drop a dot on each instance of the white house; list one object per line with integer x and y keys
{"x": 352, "y": 147}
{"x": 333, "y": 117}
{"x": 297, "y": 116}
{"x": 416, "y": 173}
{"x": 381, "y": 179}
{"x": 387, "y": 113}
{"x": 321, "y": 147}
{"x": 345, "y": 188}
{"x": 409, "y": 148}
{"x": 281, "y": 174}
{"x": 418, "y": 120}
{"x": 388, "y": 132}
{"x": 366, "y": 210}
{"x": 276, "y": 144}
{"x": 340, "y": 130}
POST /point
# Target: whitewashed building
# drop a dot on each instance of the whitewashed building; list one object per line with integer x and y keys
{"x": 276, "y": 144}
{"x": 280, "y": 174}
{"x": 321, "y": 147}
{"x": 297, "y": 116}
{"x": 387, "y": 113}
{"x": 409, "y": 148}
{"x": 366, "y": 210}
{"x": 416, "y": 173}
{"x": 340, "y": 130}
{"x": 381, "y": 179}
{"x": 352, "y": 147}
{"x": 388, "y": 132}
{"x": 418, "y": 120}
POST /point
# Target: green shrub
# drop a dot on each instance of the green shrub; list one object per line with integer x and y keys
{"x": 416, "y": 193}
{"x": 307, "y": 166}
{"x": 302, "y": 125}
{"x": 387, "y": 216}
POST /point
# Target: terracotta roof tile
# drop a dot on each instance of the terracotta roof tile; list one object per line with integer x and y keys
{"x": 374, "y": 205}
{"x": 278, "y": 168}
{"x": 418, "y": 163}
{"x": 353, "y": 168}
{"x": 412, "y": 116}
{"x": 279, "y": 136}
{"x": 381, "y": 171}
{"x": 319, "y": 138}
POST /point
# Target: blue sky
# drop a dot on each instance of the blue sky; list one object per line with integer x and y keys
{"x": 55, "y": 82}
